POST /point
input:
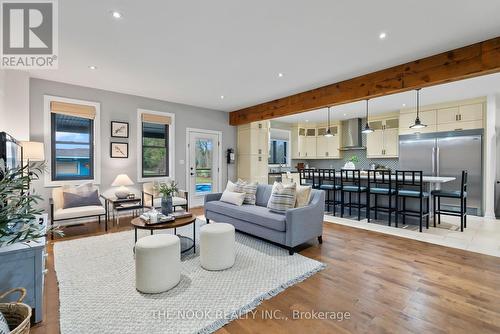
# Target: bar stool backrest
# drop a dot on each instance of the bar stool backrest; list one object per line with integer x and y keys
{"x": 327, "y": 176}
{"x": 384, "y": 179}
{"x": 410, "y": 178}
{"x": 463, "y": 188}
{"x": 350, "y": 177}
{"x": 307, "y": 176}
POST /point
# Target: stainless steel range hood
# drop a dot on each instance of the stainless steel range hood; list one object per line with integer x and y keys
{"x": 351, "y": 135}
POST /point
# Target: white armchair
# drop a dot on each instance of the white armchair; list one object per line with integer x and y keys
{"x": 59, "y": 213}
{"x": 150, "y": 197}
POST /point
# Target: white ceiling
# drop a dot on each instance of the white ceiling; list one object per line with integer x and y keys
{"x": 195, "y": 51}
{"x": 459, "y": 90}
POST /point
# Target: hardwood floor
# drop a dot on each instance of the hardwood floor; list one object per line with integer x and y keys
{"x": 387, "y": 284}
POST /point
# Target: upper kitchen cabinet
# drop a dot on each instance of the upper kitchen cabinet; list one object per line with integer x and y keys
{"x": 298, "y": 142}
{"x": 328, "y": 147}
{"x": 310, "y": 143}
{"x": 383, "y": 142}
{"x": 407, "y": 118}
{"x": 450, "y": 116}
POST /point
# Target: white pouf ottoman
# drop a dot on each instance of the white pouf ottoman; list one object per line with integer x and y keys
{"x": 217, "y": 246}
{"x": 157, "y": 263}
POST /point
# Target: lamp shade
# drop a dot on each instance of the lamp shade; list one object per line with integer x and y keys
{"x": 33, "y": 151}
{"x": 122, "y": 180}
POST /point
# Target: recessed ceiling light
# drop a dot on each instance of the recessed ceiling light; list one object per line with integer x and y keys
{"x": 92, "y": 67}
{"x": 222, "y": 97}
{"x": 345, "y": 114}
{"x": 404, "y": 104}
{"x": 307, "y": 120}
{"x": 280, "y": 75}
{"x": 382, "y": 35}
{"x": 116, "y": 15}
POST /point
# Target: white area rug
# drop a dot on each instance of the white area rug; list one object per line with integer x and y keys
{"x": 97, "y": 287}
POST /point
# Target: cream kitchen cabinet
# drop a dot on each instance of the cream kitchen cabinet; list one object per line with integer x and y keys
{"x": 383, "y": 142}
{"x": 298, "y": 142}
{"x": 427, "y": 117}
{"x": 253, "y": 151}
{"x": 327, "y": 147}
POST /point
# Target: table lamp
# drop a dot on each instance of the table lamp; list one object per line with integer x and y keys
{"x": 122, "y": 181}
{"x": 33, "y": 151}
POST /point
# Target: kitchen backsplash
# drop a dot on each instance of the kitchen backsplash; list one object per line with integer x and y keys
{"x": 364, "y": 162}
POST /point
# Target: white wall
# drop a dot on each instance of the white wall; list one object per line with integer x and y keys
{"x": 123, "y": 107}
{"x": 492, "y": 104}
{"x": 14, "y": 101}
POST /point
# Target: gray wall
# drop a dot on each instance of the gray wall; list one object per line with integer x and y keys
{"x": 123, "y": 107}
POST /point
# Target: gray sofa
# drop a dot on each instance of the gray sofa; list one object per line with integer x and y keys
{"x": 295, "y": 227}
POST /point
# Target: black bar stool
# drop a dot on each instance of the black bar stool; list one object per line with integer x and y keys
{"x": 328, "y": 182}
{"x": 413, "y": 182}
{"x": 380, "y": 184}
{"x": 458, "y": 194}
{"x": 308, "y": 178}
{"x": 350, "y": 182}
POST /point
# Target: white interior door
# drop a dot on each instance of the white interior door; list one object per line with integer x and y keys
{"x": 203, "y": 164}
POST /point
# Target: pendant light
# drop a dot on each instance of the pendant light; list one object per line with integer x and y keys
{"x": 418, "y": 124}
{"x": 367, "y": 128}
{"x": 328, "y": 131}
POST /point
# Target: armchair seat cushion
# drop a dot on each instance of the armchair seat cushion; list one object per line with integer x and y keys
{"x": 78, "y": 212}
{"x": 176, "y": 201}
{"x": 255, "y": 214}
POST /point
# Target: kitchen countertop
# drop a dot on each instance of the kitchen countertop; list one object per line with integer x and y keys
{"x": 425, "y": 178}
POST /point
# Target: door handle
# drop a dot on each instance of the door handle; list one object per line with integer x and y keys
{"x": 192, "y": 174}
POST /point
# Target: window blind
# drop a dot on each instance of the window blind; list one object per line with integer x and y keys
{"x": 158, "y": 119}
{"x": 71, "y": 109}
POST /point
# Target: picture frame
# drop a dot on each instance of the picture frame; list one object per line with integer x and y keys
{"x": 118, "y": 150}
{"x": 119, "y": 129}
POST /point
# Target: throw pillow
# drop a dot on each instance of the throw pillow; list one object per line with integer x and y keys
{"x": 250, "y": 189}
{"x": 231, "y": 186}
{"x": 282, "y": 198}
{"x": 303, "y": 196}
{"x": 4, "y": 327}
{"x": 72, "y": 200}
{"x": 81, "y": 189}
{"x": 232, "y": 197}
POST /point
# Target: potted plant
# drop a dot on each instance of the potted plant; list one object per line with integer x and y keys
{"x": 167, "y": 191}
{"x": 350, "y": 164}
{"x": 18, "y": 205}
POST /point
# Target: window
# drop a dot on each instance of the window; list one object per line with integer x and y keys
{"x": 72, "y": 148}
{"x": 155, "y": 155}
{"x": 278, "y": 149}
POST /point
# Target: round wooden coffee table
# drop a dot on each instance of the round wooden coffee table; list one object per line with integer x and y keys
{"x": 186, "y": 242}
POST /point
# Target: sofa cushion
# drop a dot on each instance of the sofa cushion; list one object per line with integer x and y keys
{"x": 81, "y": 211}
{"x": 249, "y": 188}
{"x": 283, "y": 197}
{"x": 72, "y": 200}
{"x": 263, "y": 193}
{"x": 303, "y": 196}
{"x": 250, "y": 213}
{"x": 233, "y": 197}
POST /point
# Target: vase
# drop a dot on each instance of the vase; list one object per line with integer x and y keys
{"x": 166, "y": 205}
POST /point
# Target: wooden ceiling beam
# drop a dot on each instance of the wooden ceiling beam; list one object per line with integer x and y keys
{"x": 470, "y": 61}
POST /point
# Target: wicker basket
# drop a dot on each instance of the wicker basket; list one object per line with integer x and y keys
{"x": 17, "y": 314}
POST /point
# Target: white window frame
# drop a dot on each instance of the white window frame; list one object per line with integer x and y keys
{"x": 48, "y": 182}
{"x": 171, "y": 146}
{"x": 289, "y": 146}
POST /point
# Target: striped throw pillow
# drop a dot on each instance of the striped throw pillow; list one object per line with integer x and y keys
{"x": 250, "y": 189}
{"x": 282, "y": 197}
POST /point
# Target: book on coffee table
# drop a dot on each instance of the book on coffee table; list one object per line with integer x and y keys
{"x": 181, "y": 214}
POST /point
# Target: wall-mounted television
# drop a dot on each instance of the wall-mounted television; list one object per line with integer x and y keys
{"x": 11, "y": 151}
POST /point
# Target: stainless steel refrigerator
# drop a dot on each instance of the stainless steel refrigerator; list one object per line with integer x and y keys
{"x": 447, "y": 154}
